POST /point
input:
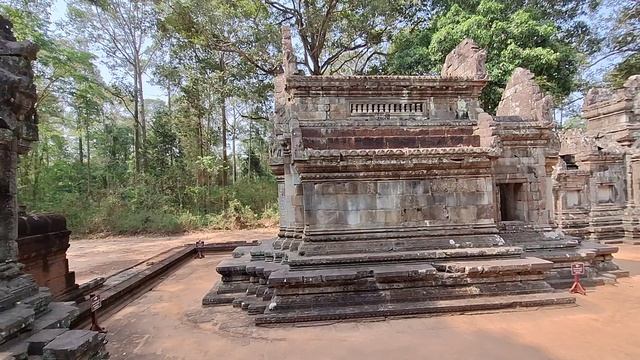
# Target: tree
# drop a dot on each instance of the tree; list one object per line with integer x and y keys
{"x": 519, "y": 39}
{"x": 123, "y": 31}
{"x": 624, "y": 40}
{"x": 231, "y": 43}
{"x": 345, "y": 34}
{"x": 241, "y": 27}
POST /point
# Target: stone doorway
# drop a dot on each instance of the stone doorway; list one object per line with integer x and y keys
{"x": 512, "y": 202}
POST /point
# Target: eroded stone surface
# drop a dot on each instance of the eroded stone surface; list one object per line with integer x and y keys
{"x": 597, "y": 175}
{"x": 466, "y": 61}
{"x": 523, "y": 97}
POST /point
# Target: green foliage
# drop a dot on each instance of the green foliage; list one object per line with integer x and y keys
{"x": 624, "y": 40}
{"x": 512, "y": 39}
{"x": 84, "y": 165}
{"x": 622, "y": 71}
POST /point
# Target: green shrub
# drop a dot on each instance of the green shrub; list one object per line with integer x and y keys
{"x": 144, "y": 208}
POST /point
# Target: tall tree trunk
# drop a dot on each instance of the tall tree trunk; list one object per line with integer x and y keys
{"x": 142, "y": 123}
{"x": 80, "y": 149}
{"x": 143, "y": 119}
{"x": 233, "y": 146}
{"x": 250, "y": 149}
{"x": 225, "y": 160}
{"x": 136, "y": 124}
{"x": 86, "y": 130}
{"x": 223, "y": 109}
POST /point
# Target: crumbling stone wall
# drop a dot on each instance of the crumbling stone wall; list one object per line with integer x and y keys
{"x": 43, "y": 241}
{"x": 590, "y": 187}
{"x": 607, "y": 154}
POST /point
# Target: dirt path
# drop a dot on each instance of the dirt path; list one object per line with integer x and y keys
{"x": 169, "y": 323}
{"x": 91, "y": 258}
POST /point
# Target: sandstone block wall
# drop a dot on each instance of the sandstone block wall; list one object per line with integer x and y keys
{"x": 603, "y": 160}
{"x": 43, "y": 241}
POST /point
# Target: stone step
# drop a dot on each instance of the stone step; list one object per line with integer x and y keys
{"x": 231, "y": 287}
{"x": 263, "y": 250}
{"x": 263, "y": 268}
{"x": 319, "y": 248}
{"x": 60, "y": 315}
{"x": 212, "y": 298}
{"x": 232, "y": 266}
{"x": 498, "y": 266}
{"x": 15, "y": 320}
{"x": 566, "y": 283}
{"x": 16, "y": 289}
{"x": 382, "y": 273}
{"x": 403, "y": 256}
{"x": 581, "y": 255}
{"x": 600, "y": 249}
{"x": 39, "y": 340}
{"x": 77, "y": 344}
{"x": 546, "y": 244}
{"x": 282, "y": 303}
{"x": 617, "y": 273}
{"x": 39, "y": 302}
{"x": 612, "y": 241}
{"x": 416, "y": 308}
{"x": 442, "y": 279}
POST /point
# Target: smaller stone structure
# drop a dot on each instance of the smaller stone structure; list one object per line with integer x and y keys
{"x": 597, "y": 180}
{"x": 43, "y": 241}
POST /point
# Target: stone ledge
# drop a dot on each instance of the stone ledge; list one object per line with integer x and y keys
{"x": 425, "y": 307}
{"x": 441, "y": 254}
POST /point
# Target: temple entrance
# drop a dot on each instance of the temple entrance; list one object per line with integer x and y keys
{"x": 512, "y": 204}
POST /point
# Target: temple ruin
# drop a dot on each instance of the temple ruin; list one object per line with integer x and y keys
{"x": 399, "y": 195}
{"x": 30, "y": 323}
{"x": 597, "y": 182}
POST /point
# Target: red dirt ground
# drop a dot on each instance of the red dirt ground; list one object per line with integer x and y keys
{"x": 169, "y": 323}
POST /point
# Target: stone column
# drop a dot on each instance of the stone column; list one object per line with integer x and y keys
{"x": 8, "y": 203}
{"x": 17, "y": 130}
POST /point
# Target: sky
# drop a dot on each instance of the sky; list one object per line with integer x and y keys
{"x": 150, "y": 91}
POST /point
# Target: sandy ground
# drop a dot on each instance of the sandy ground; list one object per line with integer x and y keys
{"x": 95, "y": 257}
{"x": 169, "y": 323}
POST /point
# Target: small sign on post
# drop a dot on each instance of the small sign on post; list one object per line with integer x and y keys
{"x": 577, "y": 269}
{"x": 200, "y": 249}
{"x": 96, "y": 303}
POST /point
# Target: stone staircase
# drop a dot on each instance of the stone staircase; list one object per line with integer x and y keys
{"x": 562, "y": 251}
{"x": 480, "y": 273}
{"x": 33, "y": 327}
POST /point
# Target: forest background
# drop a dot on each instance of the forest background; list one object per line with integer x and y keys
{"x": 154, "y": 114}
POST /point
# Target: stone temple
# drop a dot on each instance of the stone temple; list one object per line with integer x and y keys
{"x": 399, "y": 195}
